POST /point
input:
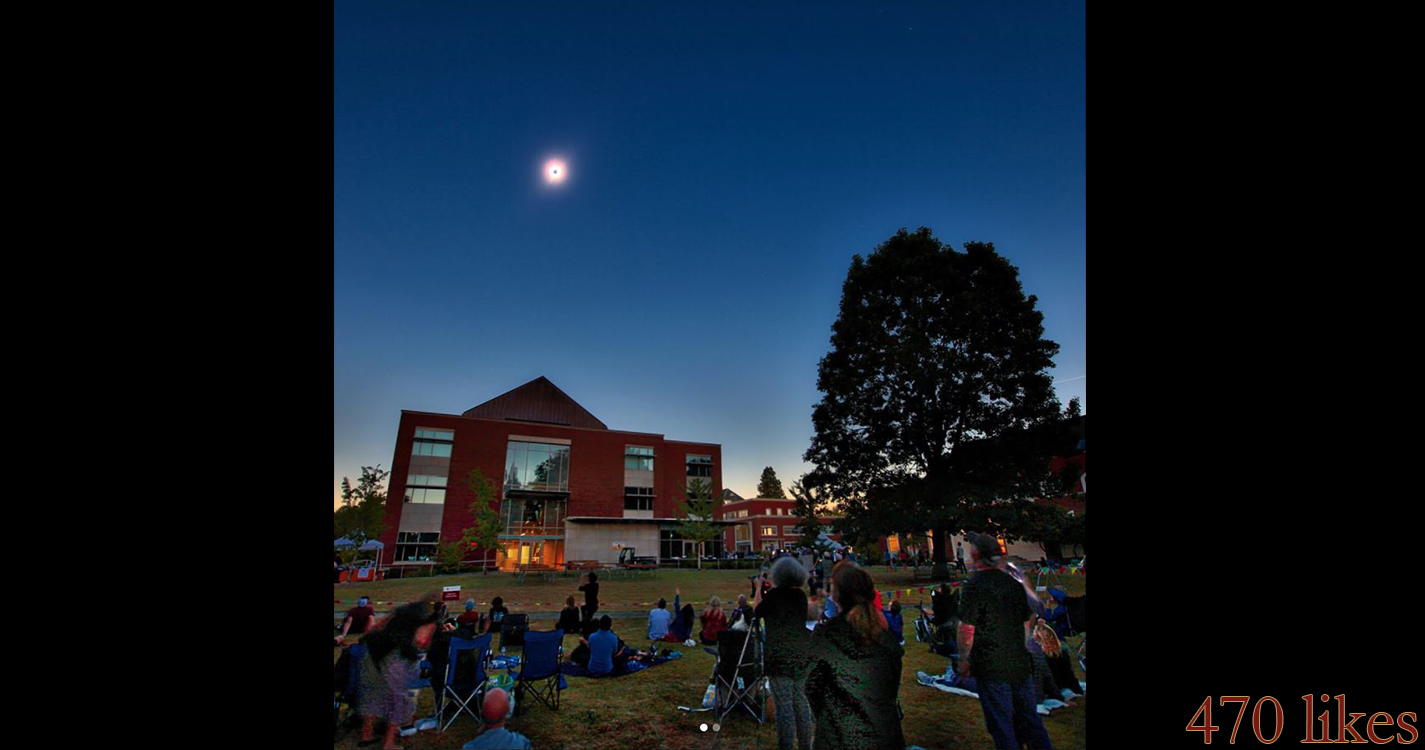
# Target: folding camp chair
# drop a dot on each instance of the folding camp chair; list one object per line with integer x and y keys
{"x": 356, "y": 653}
{"x": 512, "y": 631}
{"x": 539, "y": 673}
{"x": 467, "y": 690}
{"x": 738, "y": 674}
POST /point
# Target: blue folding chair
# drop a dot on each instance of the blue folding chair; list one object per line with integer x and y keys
{"x": 539, "y": 674}
{"x": 466, "y": 692}
{"x": 356, "y": 653}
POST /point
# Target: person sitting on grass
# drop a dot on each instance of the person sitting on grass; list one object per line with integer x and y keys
{"x": 714, "y": 622}
{"x": 682, "y": 629}
{"x": 607, "y": 654}
{"x": 495, "y": 737}
{"x": 659, "y": 618}
{"x": 497, "y": 615}
{"x": 680, "y": 626}
{"x": 569, "y": 617}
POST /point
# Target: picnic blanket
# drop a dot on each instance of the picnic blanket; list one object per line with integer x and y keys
{"x": 1044, "y": 708}
{"x": 571, "y": 669}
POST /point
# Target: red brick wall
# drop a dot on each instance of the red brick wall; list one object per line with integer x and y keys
{"x": 595, "y": 468}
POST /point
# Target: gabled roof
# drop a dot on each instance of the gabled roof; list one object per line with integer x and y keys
{"x": 729, "y": 496}
{"x": 537, "y": 401}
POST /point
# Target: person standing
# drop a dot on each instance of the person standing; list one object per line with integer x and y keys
{"x": 993, "y": 613}
{"x": 784, "y": 610}
{"x": 855, "y": 670}
{"x": 591, "y": 596}
{"x": 390, "y": 666}
{"x": 960, "y": 557}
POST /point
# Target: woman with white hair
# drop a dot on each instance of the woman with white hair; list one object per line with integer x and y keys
{"x": 784, "y": 610}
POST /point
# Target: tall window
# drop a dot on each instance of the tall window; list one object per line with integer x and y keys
{"x": 638, "y": 458}
{"x": 430, "y": 442}
{"x": 539, "y": 467}
{"x": 638, "y": 498}
{"x": 700, "y": 467}
{"x": 422, "y": 488}
{"x": 769, "y": 531}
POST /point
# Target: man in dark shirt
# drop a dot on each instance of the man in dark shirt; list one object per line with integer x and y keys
{"x": 591, "y": 596}
{"x": 992, "y": 649}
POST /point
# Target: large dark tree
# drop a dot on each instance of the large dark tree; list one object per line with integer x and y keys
{"x": 769, "y": 485}
{"x": 938, "y": 410}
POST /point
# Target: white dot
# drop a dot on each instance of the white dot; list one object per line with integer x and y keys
{"x": 703, "y": 727}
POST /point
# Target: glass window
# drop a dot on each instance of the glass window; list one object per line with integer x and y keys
{"x": 638, "y": 498}
{"x": 769, "y": 531}
{"x": 700, "y": 466}
{"x": 638, "y": 458}
{"x": 537, "y": 466}
{"x": 425, "y": 432}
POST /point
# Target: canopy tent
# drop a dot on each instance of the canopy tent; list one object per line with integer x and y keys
{"x": 372, "y": 545}
{"x": 343, "y": 542}
{"x": 822, "y": 538}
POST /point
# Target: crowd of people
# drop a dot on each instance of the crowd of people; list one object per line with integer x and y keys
{"x": 833, "y": 666}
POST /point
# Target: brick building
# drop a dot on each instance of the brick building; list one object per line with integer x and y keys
{"x": 762, "y": 523}
{"x": 566, "y": 486}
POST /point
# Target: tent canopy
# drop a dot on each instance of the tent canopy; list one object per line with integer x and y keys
{"x": 367, "y": 547}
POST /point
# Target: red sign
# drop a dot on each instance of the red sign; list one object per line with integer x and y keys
{"x": 450, "y": 594}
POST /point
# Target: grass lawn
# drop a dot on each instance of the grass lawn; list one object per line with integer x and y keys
{"x": 641, "y": 709}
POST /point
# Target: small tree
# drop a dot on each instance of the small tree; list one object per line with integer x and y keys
{"x": 698, "y": 511}
{"x": 362, "y": 516}
{"x": 486, "y": 532}
{"x": 769, "y": 485}
{"x": 449, "y": 554}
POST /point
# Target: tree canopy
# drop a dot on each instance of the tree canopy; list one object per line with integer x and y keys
{"x": 937, "y": 408}
{"x": 769, "y": 485}
{"x": 362, "y": 516}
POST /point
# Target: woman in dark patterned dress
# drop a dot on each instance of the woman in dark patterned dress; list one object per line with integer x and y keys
{"x": 390, "y": 666}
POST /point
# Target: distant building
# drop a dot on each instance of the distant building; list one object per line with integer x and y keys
{"x": 566, "y": 486}
{"x": 763, "y": 523}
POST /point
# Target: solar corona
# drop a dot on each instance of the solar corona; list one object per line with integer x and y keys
{"x": 554, "y": 171}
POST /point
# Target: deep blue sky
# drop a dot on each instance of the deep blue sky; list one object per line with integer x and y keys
{"x": 725, "y": 161}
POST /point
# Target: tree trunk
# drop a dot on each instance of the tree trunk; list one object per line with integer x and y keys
{"x": 940, "y": 571}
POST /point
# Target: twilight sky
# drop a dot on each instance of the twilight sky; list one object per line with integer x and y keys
{"x": 723, "y": 162}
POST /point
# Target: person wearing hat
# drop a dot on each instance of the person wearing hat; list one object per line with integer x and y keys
{"x": 497, "y": 709}
{"x": 469, "y": 619}
{"x": 358, "y": 619}
{"x": 993, "y": 614}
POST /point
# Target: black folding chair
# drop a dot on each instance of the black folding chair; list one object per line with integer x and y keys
{"x": 513, "y": 630}
{"x": 738, "y": 675}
